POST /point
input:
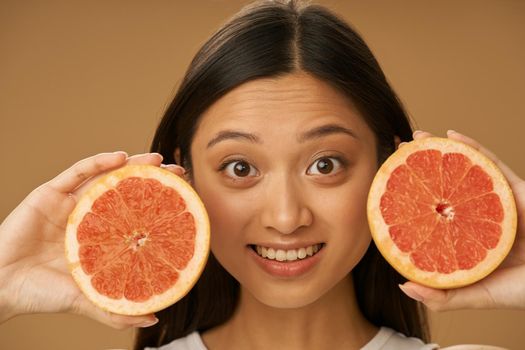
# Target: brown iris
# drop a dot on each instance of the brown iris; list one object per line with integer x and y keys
{"x": 241, "y": 169}
{"x": 325, "y": 166}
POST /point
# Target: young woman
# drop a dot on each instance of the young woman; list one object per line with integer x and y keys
{"x": 280, "y": 124}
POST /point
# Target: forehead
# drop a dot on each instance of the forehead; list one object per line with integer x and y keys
{"x": 292, "y": 102}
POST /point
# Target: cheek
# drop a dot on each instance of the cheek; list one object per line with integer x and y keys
{"x": 228, "y": 217}
{"x": 346, "y": 210}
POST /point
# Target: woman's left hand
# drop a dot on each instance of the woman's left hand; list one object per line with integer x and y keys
{"x": 503, "y": 288}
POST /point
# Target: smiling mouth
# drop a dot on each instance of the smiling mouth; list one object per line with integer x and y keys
{"x": 289, "y": 254}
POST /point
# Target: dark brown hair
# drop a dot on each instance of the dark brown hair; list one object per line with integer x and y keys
{"x": 271, "y": 39}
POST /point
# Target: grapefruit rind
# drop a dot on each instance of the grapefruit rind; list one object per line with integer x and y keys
{"x": 401, "y": 260}
{"x": 187, "y": 277}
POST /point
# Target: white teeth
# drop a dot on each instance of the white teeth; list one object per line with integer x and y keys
{"x": 288, "y": 255}
{"x": 301, "y": 254}
{"x": 309, "y": 251}
{"x": 291, "y": 255}
{"x": 280, "y": 255}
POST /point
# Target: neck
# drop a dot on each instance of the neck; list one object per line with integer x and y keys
{"x": 334, "y": 321}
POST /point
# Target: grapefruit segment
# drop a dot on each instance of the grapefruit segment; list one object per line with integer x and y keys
{"x": 475, "y": 183}
{"x": 405, "y": 183}
{"x": 396, "y": 208}
{"x": 97, "y": 257}
{"x": 137, "y": 240}
{"x": 426, "y": 166}
{"x": 441, "y": 213}
{"x": 94, "y": 229}
{"x": 409, "y": 235}
{"x": 487, "y": 206}
{"x": 454, "y": 167}
{"x": 110, "y": 207}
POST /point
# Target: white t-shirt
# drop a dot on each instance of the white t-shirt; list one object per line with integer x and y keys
{"x": 385, "y": 339}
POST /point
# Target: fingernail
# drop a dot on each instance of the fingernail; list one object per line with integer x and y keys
{"x": 159, "y": 155}
{"x": 451, "y": 132}
{"x": 149, "y": 323}
{"x": 416, "y": 132}
{"x": 121, "y": 152}
{"x": 176, "y": 167}
{"x": 411, "y": 293}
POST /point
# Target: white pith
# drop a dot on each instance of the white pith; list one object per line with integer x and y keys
{"x": 447, "y": 212}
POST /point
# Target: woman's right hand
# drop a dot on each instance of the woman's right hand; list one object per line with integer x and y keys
{"x": 34, "y": 277}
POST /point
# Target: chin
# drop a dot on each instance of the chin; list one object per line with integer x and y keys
{"x": 287, "y": 295}
{"x": 287, "y": 301}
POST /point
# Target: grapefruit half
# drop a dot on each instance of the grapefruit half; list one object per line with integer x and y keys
{"x": 137, "y": 240}
{"x": 441, "y": 213}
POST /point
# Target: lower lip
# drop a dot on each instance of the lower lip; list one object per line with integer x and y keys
{"x": 287, "y": 269}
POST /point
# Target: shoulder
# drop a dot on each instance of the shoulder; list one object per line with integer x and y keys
{"x": 192, "y": 341}
{"x": 388, "y": 339}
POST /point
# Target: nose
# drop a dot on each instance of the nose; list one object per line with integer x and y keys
{"x": 284, "y": 208}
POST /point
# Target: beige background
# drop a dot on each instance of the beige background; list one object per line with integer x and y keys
{"x": 77, "y": 78}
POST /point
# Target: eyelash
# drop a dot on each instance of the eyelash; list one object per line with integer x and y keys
{"x": 225, "y": 164}
{"x": 343, "y": 162}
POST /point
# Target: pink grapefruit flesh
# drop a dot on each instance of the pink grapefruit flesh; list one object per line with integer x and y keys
{"x": 137, "y": 240}
{"x": 441, "y": 213}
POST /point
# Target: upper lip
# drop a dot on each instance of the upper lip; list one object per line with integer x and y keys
{"x": 286, "y": 246}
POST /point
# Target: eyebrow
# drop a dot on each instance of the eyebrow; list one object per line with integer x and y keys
{"x": 325, "y": 130}
{"x": 232, "y": 135}
{"x": 318, "y": 132}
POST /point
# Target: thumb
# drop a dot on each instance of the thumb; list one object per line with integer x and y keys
{"x": 85, "y": 307}
{"x": 473, "y": 296}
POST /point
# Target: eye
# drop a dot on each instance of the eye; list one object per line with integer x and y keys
{"x": 239, "y": 168}
{"x": 324, "y": 166}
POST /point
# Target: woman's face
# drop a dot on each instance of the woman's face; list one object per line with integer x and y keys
{"x": 283, "y": 167}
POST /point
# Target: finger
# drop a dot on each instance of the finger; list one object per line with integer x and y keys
{"x": 453, "y": 299}
{"x": 174, "y": 168}
{"x": 509, "y": 174}
{"x": 77, "y": 174}
{"x": 419, "y": 134}
{"x": 145, "y": 159}
{"x": 86, "y": 308}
